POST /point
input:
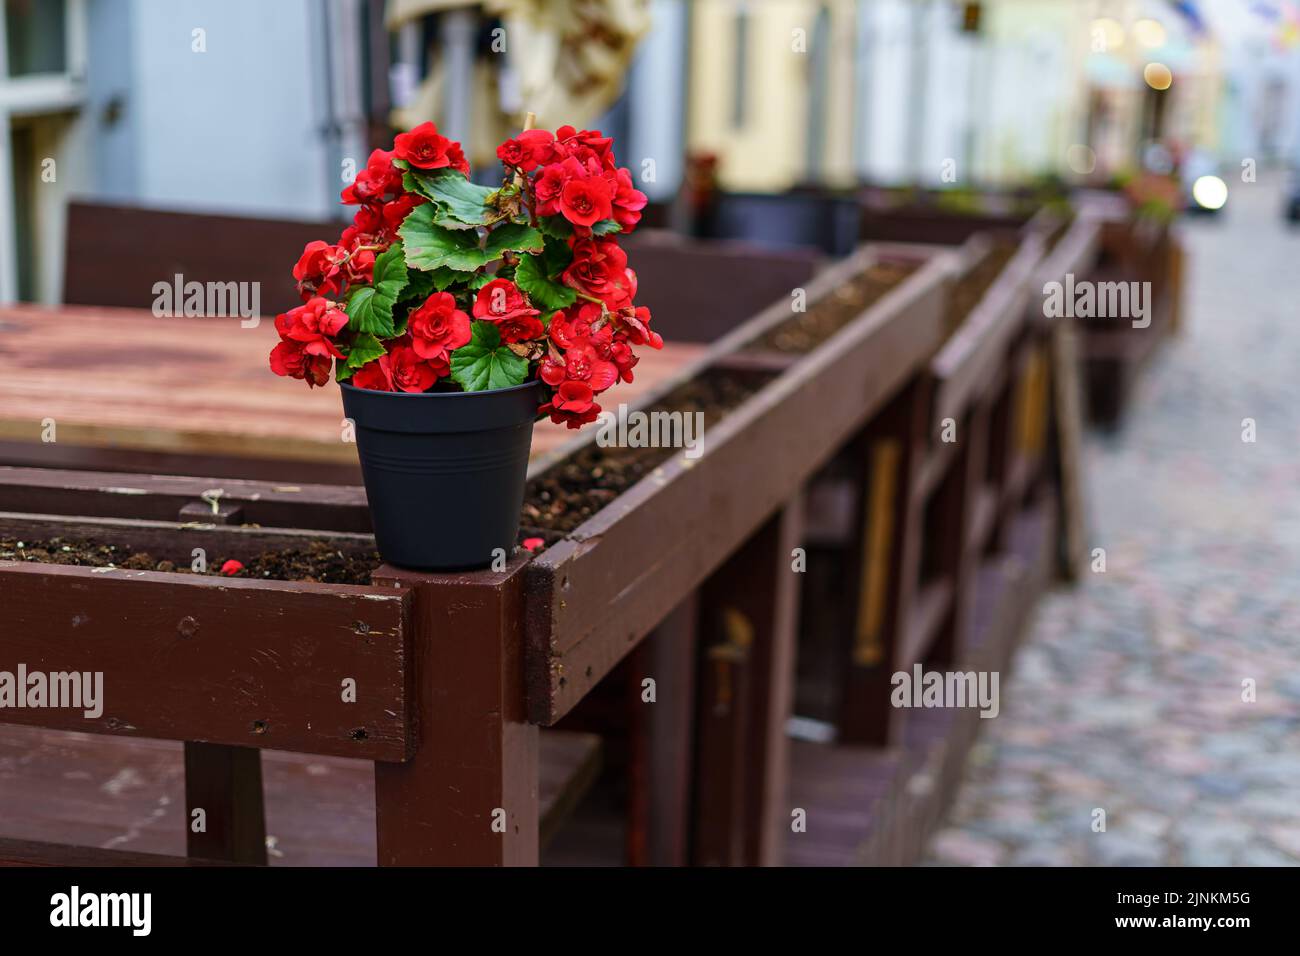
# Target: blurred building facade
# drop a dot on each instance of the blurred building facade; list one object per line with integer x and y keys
{"x": 260, "y": 107}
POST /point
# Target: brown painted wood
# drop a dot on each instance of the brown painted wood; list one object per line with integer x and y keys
{"x": 32, "y": 853}
{"x": 181, "y": 393}
{"x": 161, "y": 497}
{"x": 568, "y": 766}
{"x": 225, "y": 783}
{"x": 167, "y": 540}
{"x": 129, "y": 794}
{"x": 865, "y": 713}
{"x": 721, "y": 722}
{"x": 116, "y": 253}
{"x": 594, "y": 595}
{"x": 698, "y": 291}
{"x": 958, "y": 512}
{"x": 662, "y": 742}
{"x": 29, "y": 454}
{"x": 222, "y": 660}
{"x": 748, "y": 616}
{"x": 764, "y": 586}
{"x": 478, "y": 757}
{"x": 968, "y": 362}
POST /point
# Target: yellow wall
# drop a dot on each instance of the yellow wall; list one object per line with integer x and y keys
{"x": 768, "y": 151}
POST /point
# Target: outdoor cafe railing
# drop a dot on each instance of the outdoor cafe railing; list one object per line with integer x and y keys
{"x": 691, "y": 569}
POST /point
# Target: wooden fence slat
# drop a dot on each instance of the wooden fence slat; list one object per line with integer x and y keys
{"x": 223, "y": 660}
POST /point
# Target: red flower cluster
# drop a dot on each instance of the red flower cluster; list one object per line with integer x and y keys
{"x": 564, "y": 194}
{"x": 587, "y": 355}
{"x": 576, "y": 176}
{"x": 424, "y": 148}
{"x": 401, "y": 369}
{"x": 501, "y": 303}
{"x": 307, "y": 340}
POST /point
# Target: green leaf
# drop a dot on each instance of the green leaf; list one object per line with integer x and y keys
{"x": 514, "y": 237}
{"x": 538, "y": 277}
{"x": 419, "y": 285}
{"x": 462, "y": 203}
{"x": 389, "y": 276}
{"x": 370, "y": 307}
{"x": 484, "y": 363}
{"x": 605, "y": 227}
{"x": 557, "y": 227}
{"x": 365, "y": 348}
{"x": 430, "y": 246}
{"x": 369, "y": 312}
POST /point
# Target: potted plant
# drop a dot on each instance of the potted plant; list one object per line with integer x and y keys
{"x": 454, "y": 315}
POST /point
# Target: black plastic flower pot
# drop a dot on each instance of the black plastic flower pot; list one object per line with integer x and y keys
{"x": 444, "y": 471}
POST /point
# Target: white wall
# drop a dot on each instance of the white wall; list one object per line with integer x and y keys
{"x": 236, "y": 128}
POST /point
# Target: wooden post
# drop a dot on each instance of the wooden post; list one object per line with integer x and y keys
{"x": 887, "y": 563}
{"x": 226, "y": 784}
{"x": 961, "y": 503}
{"x": 748, "y": 617}
{"x": 662, "y": 742}
{"x": 469, "y": 796}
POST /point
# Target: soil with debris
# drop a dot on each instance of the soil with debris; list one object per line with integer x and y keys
{"x": 970, "y": 288}
{"x": 317, "y": 561}
{"x": 575, "y": 489}
{"x": 802, "y": 333}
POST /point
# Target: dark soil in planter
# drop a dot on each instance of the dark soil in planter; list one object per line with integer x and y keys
{"x": 970, "y": 288}
{"x": 318, "y": 561}
{"x": 571, "y": 492}
{"x": 1058, "y": 231}
{"x": 803, "y": 332}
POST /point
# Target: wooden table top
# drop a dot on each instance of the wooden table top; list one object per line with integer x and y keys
{"x": 124, "y": 378}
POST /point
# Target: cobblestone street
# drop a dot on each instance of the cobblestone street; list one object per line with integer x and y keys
{"x": 1127, "y": 692}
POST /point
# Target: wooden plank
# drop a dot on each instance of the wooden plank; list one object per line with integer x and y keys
{"x": 285, "y": 471}
{"x": 1067, "y": 444}
{"x": 594, "y": 595}
{"x": 129, "y": 794}
{"x": 469, "y": 797}
{"x": 188, "y": 390}
{"x": 749, "y": 610}
{"x": 224, "y": 819}
{"x": 865, "y": 713}
{"x": 569, "y": 764}
{"x": 161, "y": 497}
{"x": 662, "y": 743}
{"x": 930, "y": 608}
{"x": 32, "y": 853}
{"x": 172, "y": 541}
{"x": 1075, "y": 254}
{"x": 223, "y": 660}
{"x": 969, "y": 360}
{"x": 697, "y": 291}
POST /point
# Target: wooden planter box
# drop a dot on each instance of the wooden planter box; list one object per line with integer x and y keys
{"x": 1114, "y": 353}
{"x": 593, "y": 596}
{"x": 235, "y": 666}
{"x": 943, "y": 549}
{"x": 456, "y": 672}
